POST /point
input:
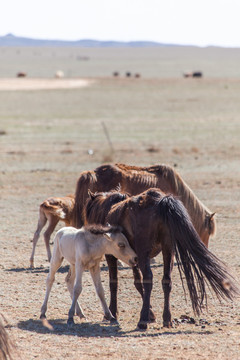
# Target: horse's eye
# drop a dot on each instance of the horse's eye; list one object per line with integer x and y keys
{"x": 121, "y": 245}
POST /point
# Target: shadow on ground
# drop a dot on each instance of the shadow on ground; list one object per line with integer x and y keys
{"x": 99, "y": 329}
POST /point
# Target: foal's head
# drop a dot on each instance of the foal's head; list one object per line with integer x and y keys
{"x": 119, "y": 247}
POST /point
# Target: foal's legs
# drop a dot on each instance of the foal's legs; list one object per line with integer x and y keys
{"x": 41, "y": 222}
{"x": 76, "y": 291}
{"x": 55, "y": 264}
{"x": 95, "y": 273}
{"x": 168, "y": 259}
{"x": 144, "y": 264}
{"x": 70, "y": 285}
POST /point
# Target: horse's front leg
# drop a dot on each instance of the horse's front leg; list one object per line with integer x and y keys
{"x": 144, "y": 264}
{"x": 95, "y": 273}
{"x": 168, "y": 259}
{"x": 113, "y": 284}
{"x": 139, "y": 286}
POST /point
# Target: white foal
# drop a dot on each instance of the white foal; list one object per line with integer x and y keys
{"x": 83, "y": 249}
{"x": 53, "y": 210}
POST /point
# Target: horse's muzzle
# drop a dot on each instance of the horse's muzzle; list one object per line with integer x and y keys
{"x": 133, "y": 262}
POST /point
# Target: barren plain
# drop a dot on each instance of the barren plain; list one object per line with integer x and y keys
{"x": 45, "y": 138}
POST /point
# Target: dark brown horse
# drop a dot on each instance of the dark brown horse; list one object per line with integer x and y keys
{"x": 154, "y": 222}
{"x": 134, "y": 180}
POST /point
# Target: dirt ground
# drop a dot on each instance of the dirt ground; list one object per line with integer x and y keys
{"x": 212, "y": 172}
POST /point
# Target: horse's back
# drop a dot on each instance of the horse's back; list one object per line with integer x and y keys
{"x": 66, "y": 238}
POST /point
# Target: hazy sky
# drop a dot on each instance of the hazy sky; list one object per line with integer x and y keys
{"x": 202, "y": 22}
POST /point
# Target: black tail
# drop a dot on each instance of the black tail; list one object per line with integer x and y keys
{"x": 194, "y": 260}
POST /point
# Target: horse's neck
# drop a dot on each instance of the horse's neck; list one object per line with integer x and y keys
{"x": 196, "y": 209}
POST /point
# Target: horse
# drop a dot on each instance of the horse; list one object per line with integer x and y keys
{"x": 193, "y": 74}
{"x": 52, "y": 210}
{"x": 83, "y": 249}
{"x": 134, "y": 180}
{"x": 153, "y": 222}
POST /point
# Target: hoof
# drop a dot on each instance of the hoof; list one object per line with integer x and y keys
{"x": 42, "y": 316}
{"x": 142, "y": 325}
{"x": 114, "y": 321}
{"x": 70, "y": 322}
{"x": 167, "y": 324}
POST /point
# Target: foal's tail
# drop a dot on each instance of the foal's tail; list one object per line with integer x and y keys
{"x": 194, "y": 260}
{"x": 55, "y": 208}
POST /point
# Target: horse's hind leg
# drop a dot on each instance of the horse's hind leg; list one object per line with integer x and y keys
{"x": 70, "y": 285}
{"x": 41, "y": 222}
{"x": 168, "y": 259}
{"x": 95, "y": 273}
{"x": 52, "y": 223}
{"x": 55, "y": 264}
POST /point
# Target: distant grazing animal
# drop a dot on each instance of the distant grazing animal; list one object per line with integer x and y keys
{"x": 21, "y": 74}
{"x": 84, "y": 249}
{"x": 59, "y": 74}
{"x": 197, "y": 74}
{"x": 116, "y": 74}
{"x": 52, "y": 210}
{"x": 155, "y": 222}
{"x": 128, "y": 74}
{"x": 137, "y": 75}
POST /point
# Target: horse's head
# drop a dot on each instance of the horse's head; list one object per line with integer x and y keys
{"x": 209, "y": 228}
{"x": 119, "y": 247}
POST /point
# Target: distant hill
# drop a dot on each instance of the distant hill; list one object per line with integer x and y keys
{"x": 12, "y": 40}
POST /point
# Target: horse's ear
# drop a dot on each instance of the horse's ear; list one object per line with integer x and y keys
{"x": 211, "y": 216}
{"x": 91, "y": 195}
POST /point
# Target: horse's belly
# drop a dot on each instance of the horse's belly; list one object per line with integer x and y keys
{"x": 157, "y": 248}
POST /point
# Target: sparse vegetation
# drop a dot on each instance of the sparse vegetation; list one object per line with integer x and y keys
{"x": 194, "y": 124}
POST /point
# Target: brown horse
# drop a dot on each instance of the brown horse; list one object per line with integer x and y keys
{"x": 154, "y": 222}
{"x": 134, "y": 180}
{"x": 53, "y": 210}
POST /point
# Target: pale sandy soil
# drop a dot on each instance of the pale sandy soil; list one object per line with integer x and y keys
{"x": 32, "y": 169}
{"x": 12, "y": 84}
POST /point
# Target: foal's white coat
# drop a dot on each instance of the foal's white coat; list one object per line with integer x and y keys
{"x": 84, "y": 249}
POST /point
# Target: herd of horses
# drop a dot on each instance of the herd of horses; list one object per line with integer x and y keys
{"x": 157, "y": 212}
